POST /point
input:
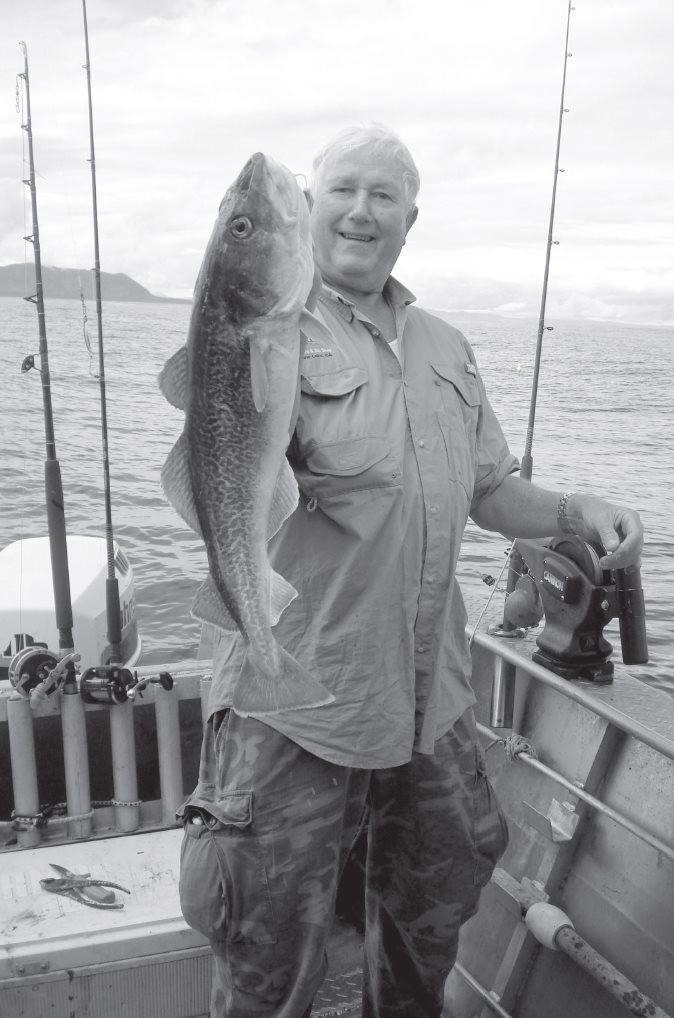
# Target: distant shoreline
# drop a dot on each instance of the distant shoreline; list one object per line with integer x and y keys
{"x": 71, "y": 284}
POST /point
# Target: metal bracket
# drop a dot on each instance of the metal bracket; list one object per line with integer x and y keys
{"x": 558, "y": 824}
{"x": 515, "y": 896}
{"x": 32, "y": 968}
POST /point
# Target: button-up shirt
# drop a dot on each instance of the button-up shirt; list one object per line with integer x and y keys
{"x": 392, "y": 450}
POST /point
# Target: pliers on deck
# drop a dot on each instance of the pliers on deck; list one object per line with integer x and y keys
{"x": 81, "y": 887}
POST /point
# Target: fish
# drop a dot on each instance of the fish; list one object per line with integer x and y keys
{"x": 237, "y": 379}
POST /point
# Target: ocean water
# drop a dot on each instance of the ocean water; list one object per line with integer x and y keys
{"x": 604, "y": 423}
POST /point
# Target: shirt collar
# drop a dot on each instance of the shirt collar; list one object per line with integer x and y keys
{"x": 397, "y": 294}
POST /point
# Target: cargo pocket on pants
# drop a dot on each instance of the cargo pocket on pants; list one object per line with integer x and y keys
{"x": 224, "y": 893}
{"x": 490, "y": 825}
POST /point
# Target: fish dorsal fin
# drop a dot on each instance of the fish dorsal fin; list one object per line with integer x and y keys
{"x": 209, "y": 607}
{"x": 173, "y": 378}
{"x": 285, "y": 500}
{"x": 259, "y": 380}
{"x": 314, "y": 329}
{"x": 177, "y": 483}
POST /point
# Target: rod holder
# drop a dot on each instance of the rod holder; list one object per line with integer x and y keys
{"x": 76, "y": 761}
{"x": 24, "y": 769}
{"x": 170, "y": 757}
{"x": 125, "y": 779}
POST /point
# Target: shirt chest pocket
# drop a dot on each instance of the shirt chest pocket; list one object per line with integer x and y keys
{"x": 458, "y": 413}
{"x": 350, "y": 465}
{"x": 339, "y": 453}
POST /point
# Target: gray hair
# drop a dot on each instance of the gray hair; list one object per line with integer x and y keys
{"x": 383, "y": 142}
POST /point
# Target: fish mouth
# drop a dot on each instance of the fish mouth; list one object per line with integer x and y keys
{"x": 251, "y": 171}
{"x": 263, "y": 175}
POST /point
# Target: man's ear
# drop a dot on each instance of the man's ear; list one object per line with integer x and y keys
{"x": 411, "y": 219}
{"x": 308, "y": 195}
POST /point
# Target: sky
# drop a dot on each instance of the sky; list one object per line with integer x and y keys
{"x": 184, "y": 91}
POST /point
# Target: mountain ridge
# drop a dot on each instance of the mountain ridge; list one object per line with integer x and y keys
{"x": 69, "y": 283}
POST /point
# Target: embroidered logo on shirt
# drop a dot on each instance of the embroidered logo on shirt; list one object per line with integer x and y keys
{"x": 318, "y": 351}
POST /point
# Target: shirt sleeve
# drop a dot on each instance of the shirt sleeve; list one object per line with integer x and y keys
{"x": 494, "y": 459}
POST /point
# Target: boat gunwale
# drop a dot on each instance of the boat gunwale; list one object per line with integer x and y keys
{"x": 587, "y": 695}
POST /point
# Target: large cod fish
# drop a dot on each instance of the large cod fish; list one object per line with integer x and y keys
{"x": 237, "y": 381}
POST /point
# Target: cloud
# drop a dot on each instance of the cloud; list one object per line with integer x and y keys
{"x": 185, "y": 90}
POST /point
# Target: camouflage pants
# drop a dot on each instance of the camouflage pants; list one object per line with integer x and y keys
{"x": 267, "y": 832}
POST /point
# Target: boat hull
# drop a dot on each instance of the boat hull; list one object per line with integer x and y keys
{"x": 606, "y": 859}
{"x": 607, "y": 863}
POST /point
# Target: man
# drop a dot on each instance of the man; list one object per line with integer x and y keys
{"x": 395, "y": 445}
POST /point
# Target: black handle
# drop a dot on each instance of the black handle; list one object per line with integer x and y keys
{"x": 631, "y": 615}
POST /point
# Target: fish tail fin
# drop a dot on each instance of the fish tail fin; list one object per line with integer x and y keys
{"x": 291, "y": 687}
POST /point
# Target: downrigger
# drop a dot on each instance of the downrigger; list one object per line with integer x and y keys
{"x": 579, "y": 599}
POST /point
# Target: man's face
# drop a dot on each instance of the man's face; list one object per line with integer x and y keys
{"x": 359, "y": 220}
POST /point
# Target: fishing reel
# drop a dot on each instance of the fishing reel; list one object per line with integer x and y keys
{"x": 579, "y": 599}
{"x": 113, "y": 684}
{"x": 35, "y": 672}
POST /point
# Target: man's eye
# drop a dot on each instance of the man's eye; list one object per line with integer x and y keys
{"x": 383, "y": 195}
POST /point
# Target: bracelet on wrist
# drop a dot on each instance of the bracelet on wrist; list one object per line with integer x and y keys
{"x": 562, "y": 519}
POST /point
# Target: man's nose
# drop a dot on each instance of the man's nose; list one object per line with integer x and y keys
{"x": 360, "y": 205}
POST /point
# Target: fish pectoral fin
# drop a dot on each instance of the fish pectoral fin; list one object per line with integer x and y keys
{"x": 314, "y": 329}
{"x": 281, "y": 593}
{"x": 259, "y": 379}
{"x": 173, "y": 378}
{"x": 177, "y": 483}
{"x": 291, "y": 687}
{"x": 208, "y": 606}
{"x": 285, "y": 499}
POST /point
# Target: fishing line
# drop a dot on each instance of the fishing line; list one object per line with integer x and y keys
{"x": 494, "y": 587}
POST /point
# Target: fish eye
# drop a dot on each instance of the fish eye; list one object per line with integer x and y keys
{"x": 240, "y": 227}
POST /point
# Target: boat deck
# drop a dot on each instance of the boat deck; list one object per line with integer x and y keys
{"x": 52, "y": 945}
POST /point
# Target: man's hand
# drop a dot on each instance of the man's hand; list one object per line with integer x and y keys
{"x": 618, "y": 529}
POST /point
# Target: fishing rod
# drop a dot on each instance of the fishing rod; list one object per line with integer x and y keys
{"x": 52, "y": 471}
{"x": 113, "y": 612}
{"x": 527, "y": 460}
{"x": 503, "y": 694}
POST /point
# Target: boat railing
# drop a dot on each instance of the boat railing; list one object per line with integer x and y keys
{"x": 82, "y": 816}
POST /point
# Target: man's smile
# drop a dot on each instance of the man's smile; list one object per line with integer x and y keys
{"x": 366, "y": 238}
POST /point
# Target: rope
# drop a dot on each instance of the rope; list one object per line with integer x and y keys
{"x": 513, "y": 746}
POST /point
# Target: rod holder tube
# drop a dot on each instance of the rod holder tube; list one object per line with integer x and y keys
{"x": 125, "y": 778}
{"x": 24, "y": 767}
{"x": 170, "y": 757}
{"x": 76, "y": 761}
{"x": 502, "y": 694}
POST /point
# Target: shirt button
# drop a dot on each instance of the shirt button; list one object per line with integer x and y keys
{"x": 375, "y": 332}
{"x": 420, "y": 648}
{"x": 433, "y": 508}
{"x": 422, "y": 443}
